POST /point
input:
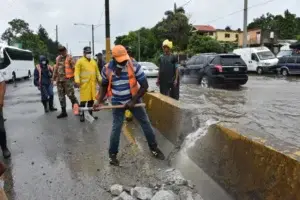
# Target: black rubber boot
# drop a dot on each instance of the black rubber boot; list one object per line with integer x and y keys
{"x": 91, "y": 113}
{"x": 45, "y": 104}
{"x": 82, "y": 119}
{"x": 51, "y": 105}
{"x": 63, "y": 113}
{"x": 6, "y": 153}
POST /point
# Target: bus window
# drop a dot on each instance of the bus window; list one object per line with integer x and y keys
{"x": 16, "y": 54}
{"x": 4, "y": 61}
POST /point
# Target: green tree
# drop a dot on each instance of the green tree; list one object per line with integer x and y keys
{"x": 17, "y": 27}
{"x": 174, "y": 27}
{"x": 203, "y": 44}
{"x": 286, "y": 26}
{"x": 51, "y": 45}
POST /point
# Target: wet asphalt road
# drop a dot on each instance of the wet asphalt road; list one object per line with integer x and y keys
{"x": 66, "y": 159}
{"x": 266, "y": 107}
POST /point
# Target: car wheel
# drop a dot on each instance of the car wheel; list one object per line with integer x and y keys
{"x": 205, "y": 82}
{"x": 259, "y": 70}
{"x": 284, "y": 72}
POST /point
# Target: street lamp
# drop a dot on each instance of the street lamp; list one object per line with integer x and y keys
{"x": 93, "y": 29}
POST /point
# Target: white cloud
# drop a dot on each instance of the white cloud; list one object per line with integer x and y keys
{"x": 126, "y": 15}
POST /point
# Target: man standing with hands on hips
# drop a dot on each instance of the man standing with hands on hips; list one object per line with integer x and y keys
{"x": 125, "y": 82}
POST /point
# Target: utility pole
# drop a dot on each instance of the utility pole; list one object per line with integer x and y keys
{"x": 139, "y": 45}
{"x": 56, "y": 33}
{"x": 93, "y": 42}
{"x": 107, "y": 31}
{"x": 245, "y": 36}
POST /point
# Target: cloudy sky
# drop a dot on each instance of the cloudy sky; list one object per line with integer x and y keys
{"x": 127, "y": 15}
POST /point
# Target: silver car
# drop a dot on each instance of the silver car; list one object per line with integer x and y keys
{"x": 149, "y": 68}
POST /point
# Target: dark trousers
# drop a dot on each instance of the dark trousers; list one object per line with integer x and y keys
{"x": 2, "y": 131}
{"x": 89, "y": 104}
{"x": 170, "y": 90}
{"x": 47, "y": 92}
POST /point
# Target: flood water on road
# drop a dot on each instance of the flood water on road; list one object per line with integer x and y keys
{"x": 266, "y": 107}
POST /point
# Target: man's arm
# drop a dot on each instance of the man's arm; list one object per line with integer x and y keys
{"x": 2, "y": 90}
{"x": 176, "y": 70}
{"x": 142, "y": 80}
{"x": 77, "y": 72}
{"x": 55, "y": 69}
{"x": 104, "y": 86}
{"x": 143, "y": 89}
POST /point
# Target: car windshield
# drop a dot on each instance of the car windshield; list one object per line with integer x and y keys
{"x": 265, "y": 55}
{"x": 148, "y": 65}
{"x": 285, "y": 53}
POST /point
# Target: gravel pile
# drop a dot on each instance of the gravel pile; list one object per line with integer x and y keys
{"x": 173, "y": 187}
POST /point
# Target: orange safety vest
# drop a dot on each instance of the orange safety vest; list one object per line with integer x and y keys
{"x": 68, "y": 68}
{"x": 134, "y": 87}
{"x": 38, "y": 66}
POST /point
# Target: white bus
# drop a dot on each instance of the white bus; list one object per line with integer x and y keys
{"x": 16, "y": 63}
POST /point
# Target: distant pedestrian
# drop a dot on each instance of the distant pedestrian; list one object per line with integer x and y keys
{"x": 64, "y": 77}
{"x": 100, "y": 61}
{"x": 168, "y": 76}
{"x": 125, "y": 82}
{"x": 3, "y": 141}
{"x": 87, "y": 76}
{"x": 45, "y": 84}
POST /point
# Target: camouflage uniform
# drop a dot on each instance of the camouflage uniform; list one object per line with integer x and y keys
{"x": 65, "y": 86}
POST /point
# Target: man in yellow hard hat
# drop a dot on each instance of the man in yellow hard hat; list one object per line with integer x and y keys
{"x": 168, "y": 76}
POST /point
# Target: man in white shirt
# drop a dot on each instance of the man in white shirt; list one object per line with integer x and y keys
{"x": 3, "y": 142}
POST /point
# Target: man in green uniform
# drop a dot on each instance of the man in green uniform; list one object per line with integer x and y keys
{"x": 168, "y": 76}
{"x": 64, "y": 76}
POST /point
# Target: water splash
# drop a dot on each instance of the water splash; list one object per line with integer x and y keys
{"x": 191, "y": 138}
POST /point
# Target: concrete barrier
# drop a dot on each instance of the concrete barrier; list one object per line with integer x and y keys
{"x": 247, "y": 169}
{"x": 170, "y": 117}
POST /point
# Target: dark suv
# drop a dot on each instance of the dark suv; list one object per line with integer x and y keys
{"x": 289, "y": 65}
{"x": 214, "y": 69}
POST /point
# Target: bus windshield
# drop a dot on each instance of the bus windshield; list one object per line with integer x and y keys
{"x": 17, "y": 54}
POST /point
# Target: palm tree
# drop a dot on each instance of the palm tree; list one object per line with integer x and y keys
{"x": 170, "y": 13}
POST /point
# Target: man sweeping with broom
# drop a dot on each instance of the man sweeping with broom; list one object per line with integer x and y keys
{"x": 125, "y": 82}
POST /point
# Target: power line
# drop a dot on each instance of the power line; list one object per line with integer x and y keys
{"x": 241, "y": 10}
{"x": 186, "y": 3}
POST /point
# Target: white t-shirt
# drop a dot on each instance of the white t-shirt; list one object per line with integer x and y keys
{"x": 1, "y": 77}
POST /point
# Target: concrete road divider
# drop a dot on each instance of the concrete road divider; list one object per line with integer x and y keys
{"x": 169, "y": 116}
{"x": 247, "y": 169}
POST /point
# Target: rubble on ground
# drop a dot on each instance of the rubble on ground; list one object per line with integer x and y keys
{"x": 172, "y": 187}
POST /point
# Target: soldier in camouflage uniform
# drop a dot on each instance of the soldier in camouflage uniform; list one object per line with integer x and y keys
{"x": 64, "y": 81}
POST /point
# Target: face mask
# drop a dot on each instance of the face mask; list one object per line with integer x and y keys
{"x": 44, "y": 62}
{"x": 88, "y": 56}
{"x": 121, "y": 66}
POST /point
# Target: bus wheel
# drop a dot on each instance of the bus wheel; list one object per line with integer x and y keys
{"x": 29, "y": 74}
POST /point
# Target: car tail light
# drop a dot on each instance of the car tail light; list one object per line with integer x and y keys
{"x": 219, "y": 68}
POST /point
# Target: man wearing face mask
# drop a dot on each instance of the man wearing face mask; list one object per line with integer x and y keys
{"x": 45, "y": 84}
{"x": 64, "y": 77}
{"x": 125, "y": 82}
{"x": 86, "y": 76}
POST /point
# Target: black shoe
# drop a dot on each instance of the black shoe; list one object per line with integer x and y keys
{"x": 82, "y": 119}
{"x": 91, "y": 113}
{"x": 6, "y": 153}
{"x": 63, "y": 114}
{"x": 156, "y": 152}
{"x": 95, "y": 117}
{"x": 51, "y": 106}
{"x": 45, "y": 104}
{"x": 113, "y": 160}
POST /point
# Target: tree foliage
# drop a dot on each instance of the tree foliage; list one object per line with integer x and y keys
{"x": 40, "y": 43}
{"x": 203, "y": 44}
{"x": 286, "y": 26}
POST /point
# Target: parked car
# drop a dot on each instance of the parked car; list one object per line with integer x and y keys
{"x": 215, "y": 69}
{"x": 258, "y": 59}
{"x": 150, "y": 69}
{"x": 289, "y": 65}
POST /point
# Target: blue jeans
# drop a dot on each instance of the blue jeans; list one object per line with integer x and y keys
{"x": 118, "y": 118}
{"x": 46, "y": 92}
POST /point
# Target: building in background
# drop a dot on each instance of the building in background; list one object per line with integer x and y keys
{"x": 205, "y": 30}
{"x": 223, "y": 35}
